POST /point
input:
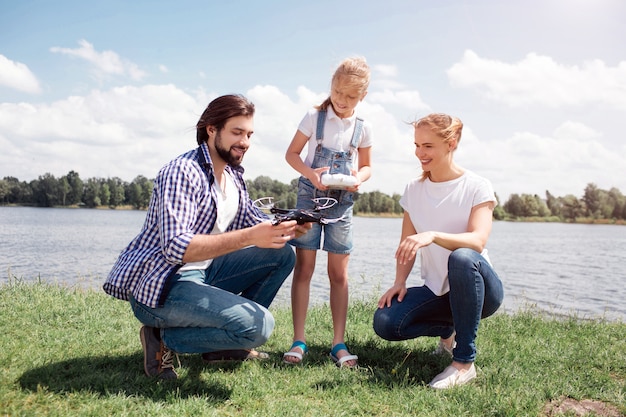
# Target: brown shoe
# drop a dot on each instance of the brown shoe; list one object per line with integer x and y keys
{"x": 233, "y": 355}
{"x": 157, "y": 359}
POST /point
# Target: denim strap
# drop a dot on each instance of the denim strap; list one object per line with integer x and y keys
{"x": 356, "y": 135}
{"x": 319, "y": 132}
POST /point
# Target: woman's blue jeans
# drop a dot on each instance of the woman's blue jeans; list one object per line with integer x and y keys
{"x": 475, "y": 292}
{"x": 224, "y": 306}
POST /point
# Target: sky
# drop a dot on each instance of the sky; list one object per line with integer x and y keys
{"x": 115, "y": 88}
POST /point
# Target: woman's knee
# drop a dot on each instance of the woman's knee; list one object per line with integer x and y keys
{"x": 462, "y": 258}
{"x": 383, "y": 324}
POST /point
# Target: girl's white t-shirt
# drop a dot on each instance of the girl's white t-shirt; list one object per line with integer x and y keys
{"x": 337, "y": 133}
{"x": 443, "y": 207}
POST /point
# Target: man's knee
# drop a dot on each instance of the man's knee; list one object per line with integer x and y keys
{"x": 267, "y": 329}
{"x": 288, "y": 256}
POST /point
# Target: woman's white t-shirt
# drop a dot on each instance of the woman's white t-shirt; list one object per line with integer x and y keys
{"x": 443, "y": 207}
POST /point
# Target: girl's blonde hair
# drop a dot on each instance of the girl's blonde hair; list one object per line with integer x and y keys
{"x": 447, "y": 127}
{"x": 353, "y": 72}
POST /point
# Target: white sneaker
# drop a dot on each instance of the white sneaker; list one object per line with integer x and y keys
{"x": 451, "y": 377}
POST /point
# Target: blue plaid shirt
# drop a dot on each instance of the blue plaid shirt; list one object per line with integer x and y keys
{"x": 183, "y": 204}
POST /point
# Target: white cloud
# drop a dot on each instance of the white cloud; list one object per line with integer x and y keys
{"x": 163, "y": 69}
{"x": 385, "y": 84}
{"x": 409, "y": 99}
{"x": 386, "y": 70}
{"x": 562, "y": 163}
{"x": 129, "y": 131}
{"x": 538, "y": 79}
{"x": 105, "y": 62}
{"x": 17, "y": 76}
{"x": 384, "y": 78}
{"x": 576, "y": 130}
{"x": 276, "y": 120}
{"x": 123, "y": 132}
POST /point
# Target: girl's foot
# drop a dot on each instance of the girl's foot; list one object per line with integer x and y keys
{"x": 296, "y": 353}
{"x": 342, "y": 357}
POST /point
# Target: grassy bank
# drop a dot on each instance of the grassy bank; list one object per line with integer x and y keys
{"x": 67, "y": 352}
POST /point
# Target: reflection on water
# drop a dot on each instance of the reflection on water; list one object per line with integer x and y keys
{"x": 560, "y": 268}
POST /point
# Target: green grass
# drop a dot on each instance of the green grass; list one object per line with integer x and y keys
{"x": 68, "y": 352}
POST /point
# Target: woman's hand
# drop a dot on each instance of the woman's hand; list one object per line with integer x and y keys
{"x": 407, "y": 250}
{"x": 397, "y": 290}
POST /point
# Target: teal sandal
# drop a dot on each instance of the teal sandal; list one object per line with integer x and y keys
{"x": 297, "y": 344}
{"x": 340, "y": 361}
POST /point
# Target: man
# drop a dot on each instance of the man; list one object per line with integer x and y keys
{"x": 206, "y": 265}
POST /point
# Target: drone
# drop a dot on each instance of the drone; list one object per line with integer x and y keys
{"x": 302, "y": 216}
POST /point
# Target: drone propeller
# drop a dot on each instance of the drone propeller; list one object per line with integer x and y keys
{"x": 322, "y": 203}
{"x": 264, "y": 203}
{"x": 330, "y": 221}
{"x": 267, "y": 206}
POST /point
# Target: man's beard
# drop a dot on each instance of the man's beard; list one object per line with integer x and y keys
{"x": 234, "y": 160}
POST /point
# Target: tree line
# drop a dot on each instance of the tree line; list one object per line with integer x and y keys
{"x": 71, "y": 190}
{"x": 595, "y": 204}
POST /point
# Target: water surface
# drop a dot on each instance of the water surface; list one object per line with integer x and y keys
{"x": 555, "y": 267}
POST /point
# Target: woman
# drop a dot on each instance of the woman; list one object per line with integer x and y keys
{"x": 448, "y": 218}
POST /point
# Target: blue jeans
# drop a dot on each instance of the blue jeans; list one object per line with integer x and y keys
{"x": 224, "y": 306}
{"x": 475, "y": 292}
{"x": 337, "y": 236}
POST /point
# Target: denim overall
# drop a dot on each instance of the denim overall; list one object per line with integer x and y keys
{"x": 339, "y": 163}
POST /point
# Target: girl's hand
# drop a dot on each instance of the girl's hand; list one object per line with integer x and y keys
{"x": 408, "y": 247}
{"x": 397, "y": 290}
{"x": 355, "y": 187}
{"x": 316, "y": 178}
{"x": 302, "y": 229}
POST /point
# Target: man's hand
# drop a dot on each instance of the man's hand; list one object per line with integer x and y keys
{"x": 266, "y": 235}
{"x": 263, "y": 235}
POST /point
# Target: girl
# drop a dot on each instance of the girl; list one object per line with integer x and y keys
{"x": 336, "y": 139}
{"x": 447, "y": 217}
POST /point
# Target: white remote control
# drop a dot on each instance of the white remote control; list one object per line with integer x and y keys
{"x": 338, "y": 180}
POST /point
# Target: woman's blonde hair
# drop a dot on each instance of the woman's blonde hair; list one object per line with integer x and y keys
{"x": 447, "y": 127}
{"x": 354, "y": 73}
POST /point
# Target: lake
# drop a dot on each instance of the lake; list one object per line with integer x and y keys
{"x": 563, "y": 269}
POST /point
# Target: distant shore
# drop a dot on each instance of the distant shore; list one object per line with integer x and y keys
{"x": 549, "y": 219}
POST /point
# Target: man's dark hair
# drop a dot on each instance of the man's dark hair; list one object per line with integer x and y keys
{"x": 219, "y": 111}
